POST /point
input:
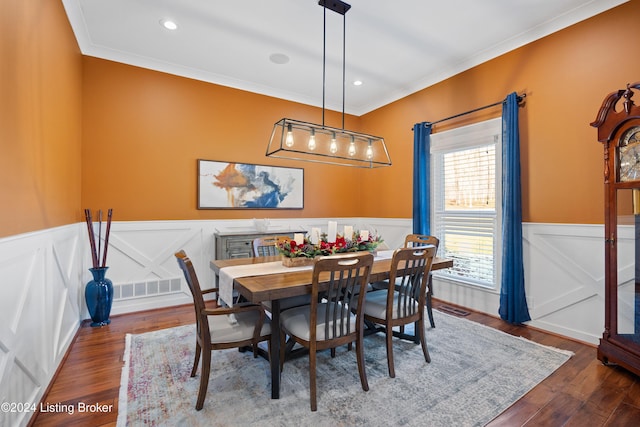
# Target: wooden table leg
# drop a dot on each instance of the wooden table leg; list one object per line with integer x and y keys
{"x": 275, "y": 349}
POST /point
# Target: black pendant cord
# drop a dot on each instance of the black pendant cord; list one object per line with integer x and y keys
{"x": 341, "y": 8}
{"x": 324, "y": 59}
{"x": 344, "y": 60}
{"x": 520, "y": 99}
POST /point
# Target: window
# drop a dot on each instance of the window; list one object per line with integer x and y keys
{"x": 466, "y": 201}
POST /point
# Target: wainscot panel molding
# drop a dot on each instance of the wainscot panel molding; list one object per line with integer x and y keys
{"x": 564, "y": 280}
{"x": 41, "y": 304}
{"x": 44, "y": 274}
{"x": 564, "y": 277}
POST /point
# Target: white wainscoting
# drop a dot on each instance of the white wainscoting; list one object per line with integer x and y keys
{"x": 564, "y": 280}
{"x": 564, "y": 275}
{"x": 41, "y": 300}
{"x": 43, "y": 276}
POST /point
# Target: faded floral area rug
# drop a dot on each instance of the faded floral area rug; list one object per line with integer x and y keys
{"x": 475, "y": 373}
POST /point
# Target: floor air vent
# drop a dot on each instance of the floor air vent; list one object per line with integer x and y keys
{"x": 453, "y": 310}
{"x": 122, "y": 291}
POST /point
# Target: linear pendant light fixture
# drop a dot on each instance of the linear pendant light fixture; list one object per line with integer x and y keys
{"x": 298, "y": 140}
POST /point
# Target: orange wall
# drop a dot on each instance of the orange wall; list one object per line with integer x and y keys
{"x": 145, "y": 130}
{"x": 566, "y": 76}
{"x": 40, "y": 117}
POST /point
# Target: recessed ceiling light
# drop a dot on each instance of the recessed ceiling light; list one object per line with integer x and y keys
{"x": 357, "y": 82}
{"x": 168, "y": 24}
{"x": 278, "y": 58}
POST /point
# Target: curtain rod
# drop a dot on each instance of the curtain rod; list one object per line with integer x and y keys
{"x": 519, "y": 98}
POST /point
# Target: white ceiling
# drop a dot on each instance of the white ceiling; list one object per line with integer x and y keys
{"x": 395, "y": 47}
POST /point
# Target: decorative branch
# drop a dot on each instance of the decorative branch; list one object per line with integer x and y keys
{"x": 92, "y": 241}
{"x": 99, "y": 233}
{"x": 96, "y": 251}
{"x": 106, "y": 238}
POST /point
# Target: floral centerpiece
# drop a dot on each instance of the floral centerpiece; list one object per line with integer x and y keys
{"x": 296, "y": 254}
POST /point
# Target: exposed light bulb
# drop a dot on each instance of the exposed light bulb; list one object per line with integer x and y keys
{"x": 312, "y": 140}
{"x": 352, "y": 148}
{"x": 289, "y": 140}
{"x": 333, "y": 147}
{"x": 369, "y": 151}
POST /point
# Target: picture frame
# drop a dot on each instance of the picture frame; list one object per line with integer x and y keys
{"x": 233, "y": 185}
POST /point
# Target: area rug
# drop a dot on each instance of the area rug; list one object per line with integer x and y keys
{"x": 476, "y": 372}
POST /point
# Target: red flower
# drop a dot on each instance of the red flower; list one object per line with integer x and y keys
{"x": 293, "y": 245}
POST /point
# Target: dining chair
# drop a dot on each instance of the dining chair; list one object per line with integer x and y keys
{"x": 267, "y": 245}
{"x": 421, "y": 240}
{"x": 217, "y": 329}
{"x": 404, "y": 303}
{"x": 417, "y": 240}
{"x": 336, "y": 319}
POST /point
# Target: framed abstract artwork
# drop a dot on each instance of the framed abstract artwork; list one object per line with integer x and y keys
{"x": 230, "y": 185}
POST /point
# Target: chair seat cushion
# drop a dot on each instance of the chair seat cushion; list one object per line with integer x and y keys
{"x": 375, "y": 305}
{"x": 297, "y": 321}
{"x": 223, "y": 329}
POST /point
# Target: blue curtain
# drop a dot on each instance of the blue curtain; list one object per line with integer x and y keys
{"x": 513, "y": 304}
{"x": 421, "y": 178}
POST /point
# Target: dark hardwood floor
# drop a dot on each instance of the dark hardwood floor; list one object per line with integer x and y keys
{"x": 583, "y": 392}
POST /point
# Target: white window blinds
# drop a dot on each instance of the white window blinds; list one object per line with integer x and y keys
{"x": 466, "y": 177}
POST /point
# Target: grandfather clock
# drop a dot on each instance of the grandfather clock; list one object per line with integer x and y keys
{"x": 618, "y": 125}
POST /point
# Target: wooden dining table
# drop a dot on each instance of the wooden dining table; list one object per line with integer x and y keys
{"x": 275, "y": 287}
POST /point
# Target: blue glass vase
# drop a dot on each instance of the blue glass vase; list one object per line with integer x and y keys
{"x": 99, "y": 296}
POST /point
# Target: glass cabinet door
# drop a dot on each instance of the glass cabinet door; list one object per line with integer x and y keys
{"x": 626, "y": 329}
